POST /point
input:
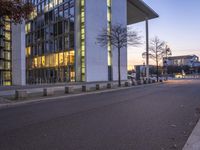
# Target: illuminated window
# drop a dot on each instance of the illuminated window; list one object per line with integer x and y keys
{"x": 33, "y": 14}
{"x": 7, "y": 65}
{"x": 7, "y": 18}
{"x": 28, "y": 51}
{"x": 72, "y": 75}
{"x": 51, "y": 36}
{"x": 71, "y": 54}
{"x": 7, "y": 46}
{"x": 7, "y": 36}
{"x": 39, "y": 62}
{"x": 60, "y": 1}
{"x": 7, "y": 83}
{"x": 51, "y": 61}
{"x": 7, "y": 55}
{"x": 66, "y": 58}
{"x": 28, "y": 27}
{"x": 47, "y": 61}
{"x": 43, "y": 61}
{"x": 46, "y": 7}
{"x": 55, "y": 60}
{"x": 61, "y": 59}
{"x": 55, "y": 2}
{"x": 51, "y": 4}
{"x": 7, "y": 75}
{"x": 7, "y": 26}
{"x": 35, "y": 63}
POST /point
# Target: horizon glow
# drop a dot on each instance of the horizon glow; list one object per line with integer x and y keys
{"x": 178, "y": 25}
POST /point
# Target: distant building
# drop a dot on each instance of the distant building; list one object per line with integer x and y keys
{"x": 141, "y": 71}
{"x": 196, "y": 64}
{"x": 185, "y": 60}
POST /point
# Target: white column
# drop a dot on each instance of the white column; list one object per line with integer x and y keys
{"x": 147, "y": 48}
{"x": 96, "y": 57}
{"x": 77, "y": 42}
{"x": 18, "y": 54}
{"x": 119, "y": 16}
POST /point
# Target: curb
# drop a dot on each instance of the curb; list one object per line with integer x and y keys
{"x": 193, "y": 142}
{"x": 14, "y": 104}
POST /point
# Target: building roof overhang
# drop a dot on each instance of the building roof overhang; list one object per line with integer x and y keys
{"x": 138, "y": 11}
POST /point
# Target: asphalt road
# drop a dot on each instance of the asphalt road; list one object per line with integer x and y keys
{"x": 159, "y": 117}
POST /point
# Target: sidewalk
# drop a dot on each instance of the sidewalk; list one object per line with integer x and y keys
{"x": 193, "y": 142}
{"x": 36, "y": 95}
{"x": 30, "y": 86}
{"x": 10, "y": 90}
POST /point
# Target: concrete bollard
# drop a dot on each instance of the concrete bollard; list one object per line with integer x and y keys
{"x": 145, "y": 82}
{"x": 109, "y": 85}
{"x": 69, "y": 89}
{"x": 48, "y": 91}
{"x": 127, "y": 84}
{"x": 150, "y": 81}
{"x": 134, "y": 83}
{"x": 139, "y": 82}
{"x": 85, "y": 88}
{"x": 153, "y": 81}
{"x": 98, "y": 87}
{"x": 21, "y": 94}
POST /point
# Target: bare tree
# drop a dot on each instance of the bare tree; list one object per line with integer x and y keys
{"x": 156, "y": 52}
{"x": 119, "y": 37}
{"x": 16, "y": 10}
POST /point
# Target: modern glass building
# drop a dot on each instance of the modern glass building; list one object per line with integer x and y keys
{"x": 50, "y": 48}
{"x": 60, "y": 40}
{"x": 5, "y": 51}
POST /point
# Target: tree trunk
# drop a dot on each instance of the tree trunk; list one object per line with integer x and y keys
{"x": 157, "y": 70}
{"x": 119, "y": 68}
{"x": 157, "y": 62}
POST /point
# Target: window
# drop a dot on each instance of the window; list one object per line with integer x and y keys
{"x": 55, "y": 14}
{"x": 55, "y": 29}
{"x": 60, "y": 43}
{"x": 61, "y": 12}
{"x": 7, "y": 46}
{"x": 7, "y": 26}
{"x": 28, "y": 51}
{"x": 60, "y": 28}
{"x": 51, "y": 42}
{"x": 7, "y": 36}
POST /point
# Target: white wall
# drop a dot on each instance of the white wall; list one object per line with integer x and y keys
{"x": 119, "y": 16}
{"x": 18, "y": 54}
{"x": 96, "y": 56}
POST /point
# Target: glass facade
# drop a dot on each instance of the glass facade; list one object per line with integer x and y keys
{"x": 5, "y": 51}
{"x": 82, "y": 20}
{"x": 50, "y": 54}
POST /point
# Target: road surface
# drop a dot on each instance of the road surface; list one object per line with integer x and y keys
{"x": 159, "y": 117}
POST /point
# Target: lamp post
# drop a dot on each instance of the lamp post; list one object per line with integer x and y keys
{"x": 167, "y": 53}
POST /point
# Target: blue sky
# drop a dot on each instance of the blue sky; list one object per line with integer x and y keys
{"x": 178, "y": 25}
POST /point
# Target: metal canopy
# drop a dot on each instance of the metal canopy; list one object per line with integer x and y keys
{"x": 138, "y": 11}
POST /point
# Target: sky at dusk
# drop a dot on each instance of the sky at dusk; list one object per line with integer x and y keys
{"x": 178, "y": 24}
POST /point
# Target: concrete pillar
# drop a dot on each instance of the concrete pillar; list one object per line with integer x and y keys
{"x": 147, "y": 48}
{"x": 18, "y": 54}
{"x": 77, "y": 42}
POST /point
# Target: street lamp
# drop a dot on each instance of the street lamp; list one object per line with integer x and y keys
{"x": 168, "y": 52}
